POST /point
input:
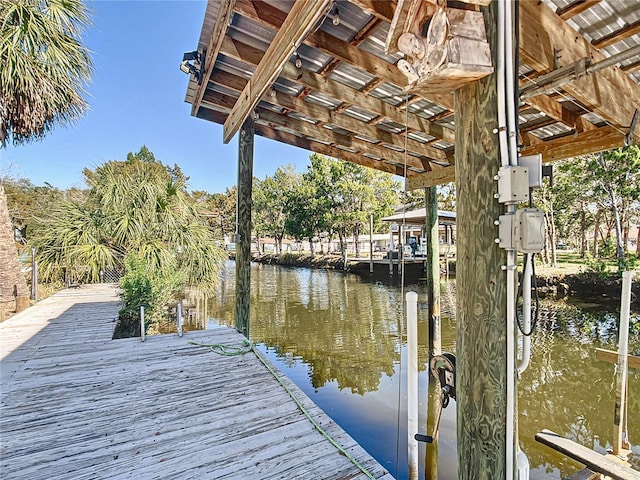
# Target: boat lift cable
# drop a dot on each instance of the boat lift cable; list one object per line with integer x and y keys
{"x": 401, "y": 266}
{"x": 246, "y": 347}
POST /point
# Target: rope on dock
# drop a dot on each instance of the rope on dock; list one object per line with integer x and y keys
{"x": 341, "y": 450}
{"x": 226, "y": 349}
{"x": 246, "y": 347}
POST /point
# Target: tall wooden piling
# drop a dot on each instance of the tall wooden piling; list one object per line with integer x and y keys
{"x": 243, "y": 226}
{"x": 481, "y": 283}
{"x": 433, "y": 269}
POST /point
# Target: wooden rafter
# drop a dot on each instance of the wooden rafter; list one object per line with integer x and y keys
{"x": 342, "y": 92}
{"x": 302, "y": 18}
{"x": 576, "y": 8}
{"x": 224, "y": 15}
{"x": 609, "y": 92}
{"x": 618, "y": 35}
{"x": 325, "y": 115}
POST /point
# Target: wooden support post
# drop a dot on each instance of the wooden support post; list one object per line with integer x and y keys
{"x": 243, "y": 226}
{"x": 433, "y": 269}
{"x": 481, "y": 353}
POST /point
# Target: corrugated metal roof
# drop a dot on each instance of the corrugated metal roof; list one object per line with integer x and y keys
{"x": 346, "y": 71}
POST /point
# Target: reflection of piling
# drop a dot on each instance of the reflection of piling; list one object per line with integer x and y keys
{"x": 623, "y": 347}
{"x": 142, "y": 326}
{"x": 433, "y": 411}
{"x": 433, "y": 270}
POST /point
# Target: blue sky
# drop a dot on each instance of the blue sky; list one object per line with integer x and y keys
{"x": 136, "y": 98}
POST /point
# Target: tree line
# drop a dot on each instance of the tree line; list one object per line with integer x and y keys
{"x": 139, "y": 204}
{"x": 591, "y": 204}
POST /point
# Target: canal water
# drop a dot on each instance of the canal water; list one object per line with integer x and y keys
{"x": 342, "y": 341}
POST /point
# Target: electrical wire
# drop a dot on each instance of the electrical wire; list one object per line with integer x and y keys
{"x": 519, "y": 294}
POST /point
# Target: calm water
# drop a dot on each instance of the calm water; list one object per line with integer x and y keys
{"x": 341, "y": 340}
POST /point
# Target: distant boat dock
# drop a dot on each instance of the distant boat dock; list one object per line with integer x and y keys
{"x": 77, "y": 405}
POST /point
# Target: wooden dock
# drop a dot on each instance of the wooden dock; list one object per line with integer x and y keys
{"x": 77, "y": 405}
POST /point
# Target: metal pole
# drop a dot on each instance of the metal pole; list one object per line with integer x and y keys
{"x": 623, "y": 349}
{"x": 34, "y": 275}
{"x": 412, "y": 382}
{"x": 142, "y": 326}
{"x": 179, "y": 318}
{"x": 370, "y": 243}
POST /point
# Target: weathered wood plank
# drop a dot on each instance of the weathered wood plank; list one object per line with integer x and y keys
{"x": 612, "y": 357}
{"x": 164, "y": 408}
{"x": 593, "y": 460}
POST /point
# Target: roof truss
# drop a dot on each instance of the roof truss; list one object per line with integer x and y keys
{"x": 347, "y": 100}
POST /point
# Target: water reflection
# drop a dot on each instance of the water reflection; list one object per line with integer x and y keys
{"x": 341, "y": 340}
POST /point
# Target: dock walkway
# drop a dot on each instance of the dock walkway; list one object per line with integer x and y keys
{"x": 75, "y": 404}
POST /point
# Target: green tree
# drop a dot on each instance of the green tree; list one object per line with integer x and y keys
{"x": 28, "y": 203}
{"x": 270, "y": 199}
{"x": 306, "y": 212}
{"x": 223, "y": 209}
{"x": 138, "y": 206}
{"x": 349, "y": 194}
{"x": 43, "y": 66}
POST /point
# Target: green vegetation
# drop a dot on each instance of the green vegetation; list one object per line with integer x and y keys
{"x": 144, "y": 287}
{"x": 43, "y": 66}
{"x": 591, "y": 206}
{"x": 138, "y": 217}
{"x": 331, "y": 198}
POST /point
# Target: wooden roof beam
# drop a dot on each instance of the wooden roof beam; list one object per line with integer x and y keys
{"x": 558, "y": 112}
{"x": 302, "y": 18}
{"x": 341, "y": 92}
{"x": 576, "y": 8}
{"x": 597, "y": 140}
{"x": 618, "y": 35}
{"x": 215, "y": 42}
{"x": 610, "y": 93}
{"x": 325, "y": 115}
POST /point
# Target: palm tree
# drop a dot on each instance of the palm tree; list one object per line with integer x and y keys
{"x": 138, "y": 207}
{"x": 43, "y": 68}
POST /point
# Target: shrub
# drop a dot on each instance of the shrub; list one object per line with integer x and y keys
{"x": 143, "y": 287}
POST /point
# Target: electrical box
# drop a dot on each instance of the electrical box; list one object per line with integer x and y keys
{"x": 528, "y": 230}
{"x": 513, "y": 184}
{"x": 534, "y": 164}
{"x": 505, "y": 231}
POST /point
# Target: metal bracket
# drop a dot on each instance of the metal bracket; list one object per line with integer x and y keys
{"x": 628, "y": 138}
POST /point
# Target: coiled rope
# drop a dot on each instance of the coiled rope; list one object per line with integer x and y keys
{"x": 226, "y": 349}
{"x": 246, "y": 347}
